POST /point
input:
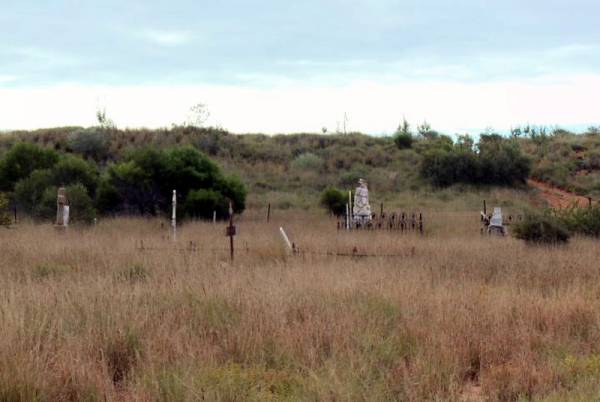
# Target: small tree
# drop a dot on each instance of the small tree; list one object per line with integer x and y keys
{"x": 90, "y": 143}
{"x": 403, "y": 138}
{"x": 198, "y": 115}
{"x": 334, "y": 201}
{"x": 4, "y": 212}
{"x": 103, "y": 120}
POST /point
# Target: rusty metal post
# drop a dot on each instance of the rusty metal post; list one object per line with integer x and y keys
{"x": 269, "y": 213}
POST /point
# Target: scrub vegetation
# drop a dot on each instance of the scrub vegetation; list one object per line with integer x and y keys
{"x": 88, "y": 315}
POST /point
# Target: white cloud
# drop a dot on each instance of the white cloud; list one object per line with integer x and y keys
{"x": 5, "y": 79}
{"x": 44, "y": 57}
{"x": 166, "y": 38}
{"x": 371, "y": 106}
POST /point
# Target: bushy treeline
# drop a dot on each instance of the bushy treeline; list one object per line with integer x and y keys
{"x": 297, "y": 163}
{"x": 294, "y": 169}
{"x": 141, "y": 182}
{"x": 493, "y": 160}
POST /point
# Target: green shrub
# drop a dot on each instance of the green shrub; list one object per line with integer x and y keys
{"x": 496, "y": 161}
{"x": 146, "y": 178}
{"x": 107, "y": 197}
{"x": 81, "y": 206}
{"x": 334, "y": 201}
{"x": 202, "y": 203}
{"x": 541, "y": 228}
{"x": 72, "y": 170}
{"x": 21, "y": 160}
{"x": 29, "y": 192}
{"x": 233, "y": 189}
{"x": 403, "y": 140}
{"x": 585, "y": 221}
{"x": 90, "y": 143}
{"x": 36, "y": 193}
{"x": 307, "y": 161}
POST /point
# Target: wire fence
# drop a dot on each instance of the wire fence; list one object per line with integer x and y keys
{"x": 193, "y": 248}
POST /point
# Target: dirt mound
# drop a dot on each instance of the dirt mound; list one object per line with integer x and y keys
{"x": 557, "y": 198}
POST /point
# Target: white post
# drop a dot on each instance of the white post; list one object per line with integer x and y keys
{"x": 66, "y": 215}
{"x": 174, "y": 215}
{"x": 214, "y": 217}
{"x": 347, "y": 217}
{"x": 285, "y": 239}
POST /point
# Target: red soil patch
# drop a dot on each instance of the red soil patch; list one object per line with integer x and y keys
{"x": 557, "y": 198}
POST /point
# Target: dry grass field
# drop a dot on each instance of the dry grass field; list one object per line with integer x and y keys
{"x": 88, "y": 316}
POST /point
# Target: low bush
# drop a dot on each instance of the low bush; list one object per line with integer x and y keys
{"x": 91, "y": 143}
{"x": 541, "y": 228}
{"x": 403, "y": 140}
{"x": 334, "y": 201}
{"x": 307, "y": 161}
{"x": 585, "y": 221}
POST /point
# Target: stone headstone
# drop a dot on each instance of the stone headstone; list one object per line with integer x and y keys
{"x": 361, "y": 210}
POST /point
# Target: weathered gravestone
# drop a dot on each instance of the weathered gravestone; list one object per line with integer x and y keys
{"x": 361, "y": 210}
{"x": 496, "y": 223}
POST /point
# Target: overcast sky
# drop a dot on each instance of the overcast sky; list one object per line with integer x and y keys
{"x": 281, "y": 66}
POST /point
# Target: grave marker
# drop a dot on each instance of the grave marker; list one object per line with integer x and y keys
{"x": 62, "y": 208}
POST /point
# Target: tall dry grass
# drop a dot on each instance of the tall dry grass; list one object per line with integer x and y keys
{"x": 86, "y": 315}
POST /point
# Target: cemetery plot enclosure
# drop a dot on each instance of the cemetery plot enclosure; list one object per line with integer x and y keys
{"x": 396, "y": 221}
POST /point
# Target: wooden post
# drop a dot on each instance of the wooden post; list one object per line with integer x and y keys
{"x": 381, "y": 209}
{"x": 351, "y": 215}
{"x": 174, "y": 215}
{"x": 16, "y": 220}
{"x": 589, "y": 202}
{"x": 268, "y": 212}
{"x": 484, "y": 208}
{"x": 231, "y": 230}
